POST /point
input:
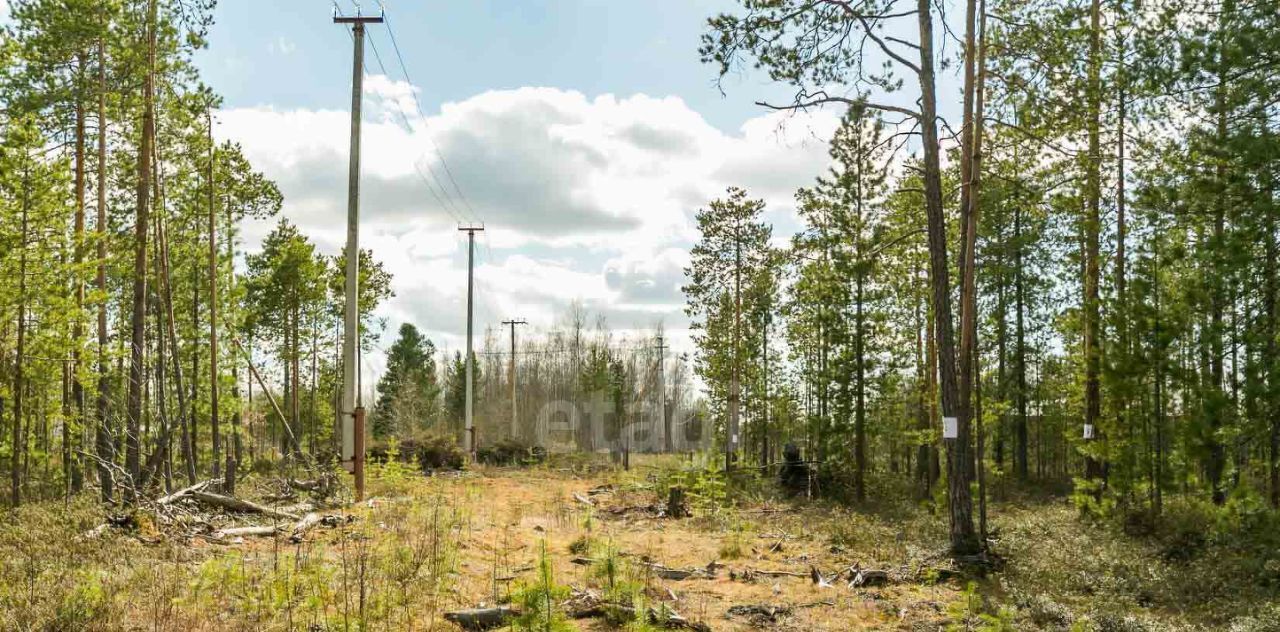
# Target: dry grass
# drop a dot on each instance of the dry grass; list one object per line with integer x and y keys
{"x": 423, "y": 547}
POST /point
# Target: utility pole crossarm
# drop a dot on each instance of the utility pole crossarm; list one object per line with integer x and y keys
{"x": 356, "y": 19}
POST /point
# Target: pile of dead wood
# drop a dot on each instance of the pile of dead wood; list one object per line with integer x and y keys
{"x": 195, "y": 510}
{"x": 581, "y": 604}
{"x": 675, "y": 505}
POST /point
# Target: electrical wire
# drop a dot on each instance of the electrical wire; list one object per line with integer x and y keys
{"x": 418, "y": 105}
{"x": 447, "y": 202}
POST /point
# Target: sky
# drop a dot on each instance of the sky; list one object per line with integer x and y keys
{"x": 583, "y": 134}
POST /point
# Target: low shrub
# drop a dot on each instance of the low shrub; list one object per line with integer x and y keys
{"x": 510, "y": 452}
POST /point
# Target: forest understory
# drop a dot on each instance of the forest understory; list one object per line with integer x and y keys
{"x": 595, "y": 544}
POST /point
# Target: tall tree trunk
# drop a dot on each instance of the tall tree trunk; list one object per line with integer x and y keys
{"x": 1122, "y": 299}
{"x": 1002, "y": 334}
{"x": 186, "y": 416}
{"x": 237, "y": 447}
{"x": 18, "y": 445}
{"x": 104, "y": 445}
{"x": 859, "y": 336}
{"x": 923, "y": 398}
{"x": 963, "y": 539}
{"x": 735, "y": 381}
{"x": 968, "y": 240}
{"x": 195, "y": 360}
{"x": 215, "y": 437}
{"x": 1217, "y": 405}
{"x": 161, "y": 381}
{"x": 1020, "y": 455}
{"x": 77, "y": 333}
{"x": 294, "y": 411}
{"x": 860, "y": 395}
{"x": 1270, "y": 354}
{"x": 137, "y": 357}
{"x": 1094, "y": 469}
{"x": 1159, "y": 351}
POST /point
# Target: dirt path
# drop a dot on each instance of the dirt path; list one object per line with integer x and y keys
{"x": 760, "y": 558}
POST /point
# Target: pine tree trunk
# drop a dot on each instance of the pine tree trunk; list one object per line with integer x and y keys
{"x": 1270, "y": 350}
{"x": 1020, "y": 456}
{"x": 186, "y": 415}
{"x": 137, "y": 347}
{"x": 103, "y": 442}
{"x": 295, "y": 418}
{"x": 923, "y": 405}
{"x": 1217, "y": 452}
{"x": 77, "y": 333}
{"x": 18, "y": 445}
{"x": 1122, "y": 301}
{"x": 963, "y": 539}
{"x": 215, "y": 437}
{"x": 1094, "y": 468}
{"x": 236, "y": 450}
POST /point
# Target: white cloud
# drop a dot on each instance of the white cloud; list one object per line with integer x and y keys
{"x": 588, "y": 199}
{"x": 281, "y": 45}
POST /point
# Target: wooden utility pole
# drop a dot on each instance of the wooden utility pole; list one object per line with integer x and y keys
{"x": 469, "y": 431}
{"x": 352, "y": 458}
{"x": 512, "y": 371}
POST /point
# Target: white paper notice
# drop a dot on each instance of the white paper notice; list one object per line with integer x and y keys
{"x": 950, "y": 428}
{"x": 1088, "y": 431}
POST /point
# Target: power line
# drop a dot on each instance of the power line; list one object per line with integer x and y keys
{"x": 447, "y": 202}
{"x": 417, "y": 105}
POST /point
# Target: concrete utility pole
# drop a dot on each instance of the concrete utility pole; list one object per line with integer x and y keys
{"x": 352, "y": 414}
{"x": 512, "y": 371}
{"x": 665, "y": 423}
{"x": 468, "y": 435}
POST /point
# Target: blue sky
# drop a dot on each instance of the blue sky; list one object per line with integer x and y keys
{"x": 585, "y": 134}
{"x": 287, "y": 53}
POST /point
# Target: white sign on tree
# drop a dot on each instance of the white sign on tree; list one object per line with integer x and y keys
{"x": 950, "y": 428}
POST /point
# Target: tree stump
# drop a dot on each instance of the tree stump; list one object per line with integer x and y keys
{"x": 676, "y": 506}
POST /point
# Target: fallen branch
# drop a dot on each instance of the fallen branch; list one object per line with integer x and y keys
{"x": 776, "y": 573}
{"x": 868, "y": 577}
{"x": 673, "y": 574}
{"x": 304, "y": 525}
{"x": 236, "y": 504}
{"x": 481, "y": 618}
{"x": 239, "y": 532}
{"x": 302, "y": 508}
{"x": 818, "y": 580}
{"x": 588, "y": 605}
{"x": 759, "y": 613}
{"x": 184, "y": 492}
{"x": 583, "y": 499}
